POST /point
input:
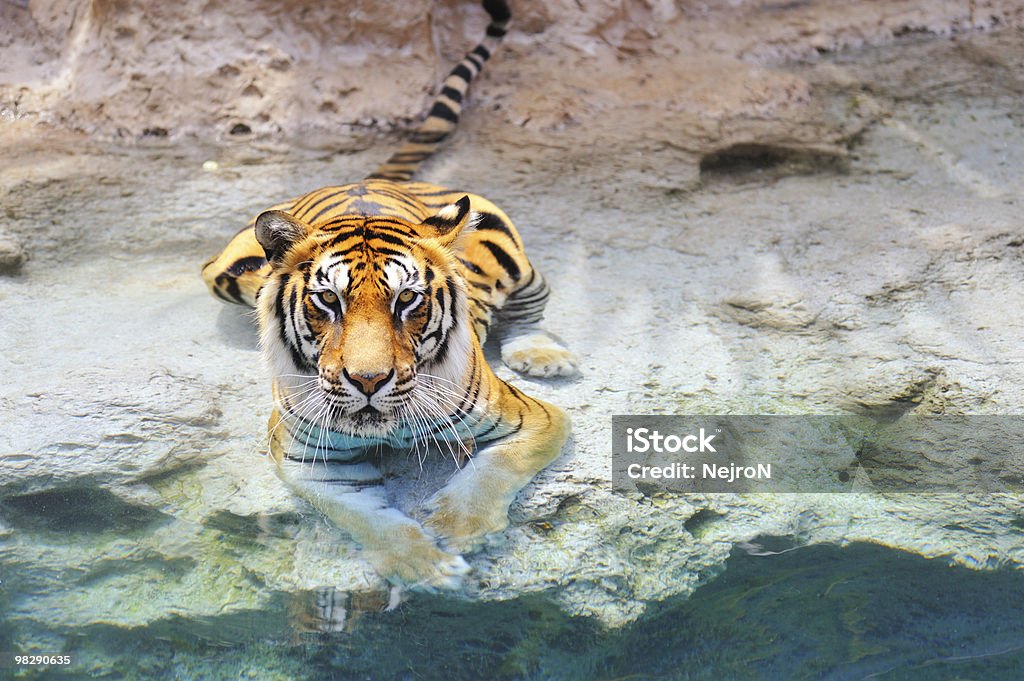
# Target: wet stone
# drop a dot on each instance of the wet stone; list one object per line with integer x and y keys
{"x": 12, "y": 254}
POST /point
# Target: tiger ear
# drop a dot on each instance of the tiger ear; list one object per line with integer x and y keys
{"x": 277, "y": 232}
{"x": 450, "y": 222}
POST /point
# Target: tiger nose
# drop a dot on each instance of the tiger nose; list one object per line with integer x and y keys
{"x": 368, "y": 384}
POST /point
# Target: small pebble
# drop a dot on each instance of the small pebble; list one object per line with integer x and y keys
{"x": 211, "y": 166}
{"x": 12, "y": 255}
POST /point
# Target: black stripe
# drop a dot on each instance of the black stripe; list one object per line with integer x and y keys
{"x": 393, "y": 221}
{"x": 408, "y": 157}
{"x": 297, "y": 357}
{"x": 452, "y": 94}
{"x": 517, "y": 394}
{"x": 398, "y": 263}
{"x": 529, "y": 292}
{"x": 519, "y": 426}
{"x": 443, "y": 111}
{"x": 482, "y": 52}
{"x": 453, "y": 295}
{"x": 496, "y": 31}
{"x": 293, "y": 303}
{"x": 305, "y": 201}
{"x": 426, "y": 324}
{"x": 329, "y": 207}
{"x": 472, "y": 267}
{"x": 463, "y": 72}
{"x": 436, "y": 334}
{"x": 413, "y": 207}
{"x": 486, "y": 441}
{"x": 223, "y": 296}
{"x": 340, "y": 222}
{"x": 394, "y": 175}
{"x": 478, "y": 384}
{"x": 231, "y": 286}
{"x": 384, "y": 250}
{"x": 392, "y": 191}
{"x": 493, "y": 222}
{"x": 472, "y": 377}
{"x": 337, "y": 241}
{"x": 442, "y": 351}
{"x": 421, "y": 137}
{"x": 518, "y": 299}
{"x": 485, "y": 433}
{"x": 503, "y": 258}
{"x": 498, "y": 9}
{"x": 386, "y": 238}
{"x": 389, "y": 228}
{"x": 522, "y": 317}
{"x": 475, "y": 61}
{"x": 247, "y": 264}
{"x": 300, "y": 211}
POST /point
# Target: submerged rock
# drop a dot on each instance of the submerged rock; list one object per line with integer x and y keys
{"x": 106, "y": 427}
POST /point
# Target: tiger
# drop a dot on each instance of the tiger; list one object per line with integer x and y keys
{"x": 374, "y": 300}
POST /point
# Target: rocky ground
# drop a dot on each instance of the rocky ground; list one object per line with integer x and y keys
{"x": 808, "y": 218}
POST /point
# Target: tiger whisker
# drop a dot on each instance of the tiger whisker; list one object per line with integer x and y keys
{"x": 449, "y": 398}
{"x": 265, "y": 442}
{"x": 447, "y": 424}
{"x": 421, "y": 409}
{"x": 419, "y": 430}
{"x": 316, "y": 420}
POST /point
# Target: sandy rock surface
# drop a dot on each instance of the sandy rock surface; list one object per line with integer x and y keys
{"x": 727, "y": 231}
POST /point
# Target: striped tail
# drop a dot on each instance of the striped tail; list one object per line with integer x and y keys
{"x": 444, "y": 115}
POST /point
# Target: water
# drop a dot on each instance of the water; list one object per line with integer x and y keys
{"x": 139, "y": 532}
{"x": 857, "y": 612}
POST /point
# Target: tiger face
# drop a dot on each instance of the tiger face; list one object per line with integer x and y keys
{"x": 364, "y": 318}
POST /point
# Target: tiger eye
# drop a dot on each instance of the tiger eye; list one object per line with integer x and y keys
{"x": 406, "y": 297}
{"x": 329, "y": 297}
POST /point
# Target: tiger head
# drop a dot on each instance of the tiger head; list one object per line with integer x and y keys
{"x": 364, "y": 319}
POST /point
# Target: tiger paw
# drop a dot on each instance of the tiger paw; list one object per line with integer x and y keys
{"x": 418, "y": 565}
{"x": 461, "y": 525}
{"x": 538, "y": 354}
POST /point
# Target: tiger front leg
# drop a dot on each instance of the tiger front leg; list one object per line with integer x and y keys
{"x": 398, "y": 547}
{"x": 475, "y": 501}
{"x": 350, "y": 495}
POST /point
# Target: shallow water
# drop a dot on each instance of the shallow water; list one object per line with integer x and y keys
{"x": 824, "y": 612}
{"x": 138, "y": 533}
